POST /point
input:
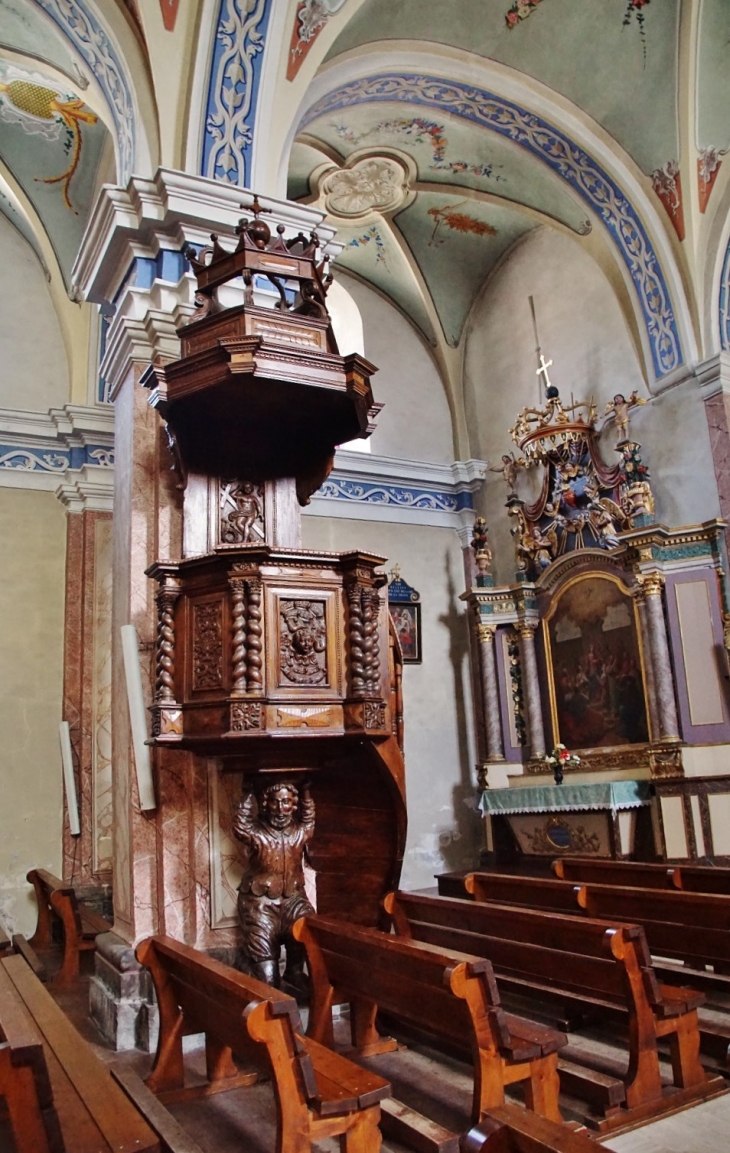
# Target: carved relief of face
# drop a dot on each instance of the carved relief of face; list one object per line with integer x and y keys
{"x": 279, "y": 806}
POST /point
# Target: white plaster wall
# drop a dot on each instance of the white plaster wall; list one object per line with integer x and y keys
{"x": 583, "y": 331}
{"x": 33, "y": 366}
{"x": 416, "y": 422}
{"x": 32, "y": 562}
{"x": 443, "y": 828}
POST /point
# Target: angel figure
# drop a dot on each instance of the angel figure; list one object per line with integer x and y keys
{"x": 602, "y": 515}
{"x": 620, "y": 407}
{"x": 508, "y": 469}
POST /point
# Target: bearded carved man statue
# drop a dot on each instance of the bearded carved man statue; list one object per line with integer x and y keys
{"x": 271, "y": 896}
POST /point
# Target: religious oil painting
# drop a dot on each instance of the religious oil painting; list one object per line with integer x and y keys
{"x": 595, "y": 662}
{"x": 407, "y": 621}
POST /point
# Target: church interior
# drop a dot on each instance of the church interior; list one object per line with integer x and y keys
{"x": 365, "y": 599}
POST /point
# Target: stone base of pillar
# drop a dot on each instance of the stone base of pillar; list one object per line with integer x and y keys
{"x": 494, "y": 774}
{"x": 121, "y": 998}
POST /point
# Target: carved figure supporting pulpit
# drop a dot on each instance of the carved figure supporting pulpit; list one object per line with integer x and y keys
{"x": 271, "y": 896}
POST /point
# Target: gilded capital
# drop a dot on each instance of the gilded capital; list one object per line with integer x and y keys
{"x": 652, "y": 584}
{"x": 526, "y": 629}
{"x": 485, "y": 633}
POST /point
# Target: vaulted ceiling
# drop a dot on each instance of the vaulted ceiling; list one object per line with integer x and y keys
{"x": 563, "y": 111}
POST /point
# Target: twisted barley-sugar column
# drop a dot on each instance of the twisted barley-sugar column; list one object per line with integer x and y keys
{"x": 371, "y": 620}
{"x": 357, "y": 640}
{"x": 666, "y": 708}
{"x": 165, "y": 671}
{"x": 490, "y": 693}
{"x": 238, "y": 636}
{"x": 531, "y": 687}
{"x": 640, "y": 601}
{"x": 254, "y": 638}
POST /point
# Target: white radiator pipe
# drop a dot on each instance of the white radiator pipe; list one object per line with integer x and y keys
{"x": 69, "y": 780}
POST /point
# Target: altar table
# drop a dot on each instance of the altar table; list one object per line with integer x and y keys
{"x": 559, "y": 820}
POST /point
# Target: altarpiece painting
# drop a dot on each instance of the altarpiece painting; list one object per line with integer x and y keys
{"x": 595, "y": 665}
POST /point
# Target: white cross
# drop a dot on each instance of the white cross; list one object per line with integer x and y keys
{"x": 543, "y": 370}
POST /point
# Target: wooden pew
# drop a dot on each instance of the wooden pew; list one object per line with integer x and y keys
{"x": 60, "y": 1098}
{"x": 703, "y": 879}
{"x": 446, "y": 993}
{"x": 576, "y": 961}
{"x": 319, "y": 1093}
{"x": 636, "y": 874}
{"x": 81, "y": 925}
{"x": 607, "y": 872}
{"x": 691, "y": 927}
{"x": 510, "y": 1129}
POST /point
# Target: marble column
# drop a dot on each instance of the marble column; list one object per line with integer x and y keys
{"x": 640, "y": 601}
{"x": 490, "y": 693}
{"x": 666, "y": 708}
{"x": 531, "y": 686}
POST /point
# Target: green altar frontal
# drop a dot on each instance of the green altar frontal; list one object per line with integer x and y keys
{"x": 588, "y": 820}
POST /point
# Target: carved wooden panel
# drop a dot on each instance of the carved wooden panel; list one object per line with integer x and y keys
{"x": 241, "y": 516}
{"x": 207, "y": 645}
{"x": 305, "y": 660}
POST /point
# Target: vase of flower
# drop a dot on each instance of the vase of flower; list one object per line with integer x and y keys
{"x": 559, "y": 760}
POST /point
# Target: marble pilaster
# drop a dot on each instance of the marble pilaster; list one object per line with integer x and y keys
{"x": 87, "y": 693}
{"x": 533, "y": 705}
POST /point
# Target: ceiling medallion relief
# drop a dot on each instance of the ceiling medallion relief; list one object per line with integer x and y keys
{"x": 373, "y": 183}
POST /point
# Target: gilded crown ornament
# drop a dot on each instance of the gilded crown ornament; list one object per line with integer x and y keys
{"x": 583, "y": 502}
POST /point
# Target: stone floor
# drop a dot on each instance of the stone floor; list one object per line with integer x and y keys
{"x": 432, "y": 1083}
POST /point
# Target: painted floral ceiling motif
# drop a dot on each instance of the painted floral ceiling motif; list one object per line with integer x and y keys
{"x": 51, "y": 146}
{"x": 446, "y": 151}
{"x": 593, "y": 52}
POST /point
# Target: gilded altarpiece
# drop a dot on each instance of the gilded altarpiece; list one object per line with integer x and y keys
{"x": 608, "y": 651}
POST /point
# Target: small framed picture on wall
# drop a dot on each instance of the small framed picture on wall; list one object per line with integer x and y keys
{"x": 405, "y": 613}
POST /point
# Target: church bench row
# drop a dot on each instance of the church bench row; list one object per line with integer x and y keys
{"x": 81, "y": 924}
{"x": 319, "y": 1093}
{"x": 597, "y": 965}
{"x": 59, "y": 1097}
{"x": 693, "y": 928}
{"x": 449, "y": 994}
{"x": 687, "y": 878}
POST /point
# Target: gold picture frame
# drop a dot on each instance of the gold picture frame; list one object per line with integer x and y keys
{"x": 597, "y": 684}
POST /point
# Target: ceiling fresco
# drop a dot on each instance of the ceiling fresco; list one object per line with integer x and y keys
{"x": 591, "y": 51}
{"x": 52, "y": 144}
{"x": 25, "y": 29}
{"x": 447, "y": 150}
{"x": 372, "y": 251}
{"x": 473, "y": 236}
{"x": 713, "y": 76}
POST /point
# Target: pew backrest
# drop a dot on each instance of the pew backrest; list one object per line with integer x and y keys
{"x": 240, "y": 1012}
{"x": 440, "y": 990}
{"x": 607, "y": 959}
{"x": 608, "y": 872}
